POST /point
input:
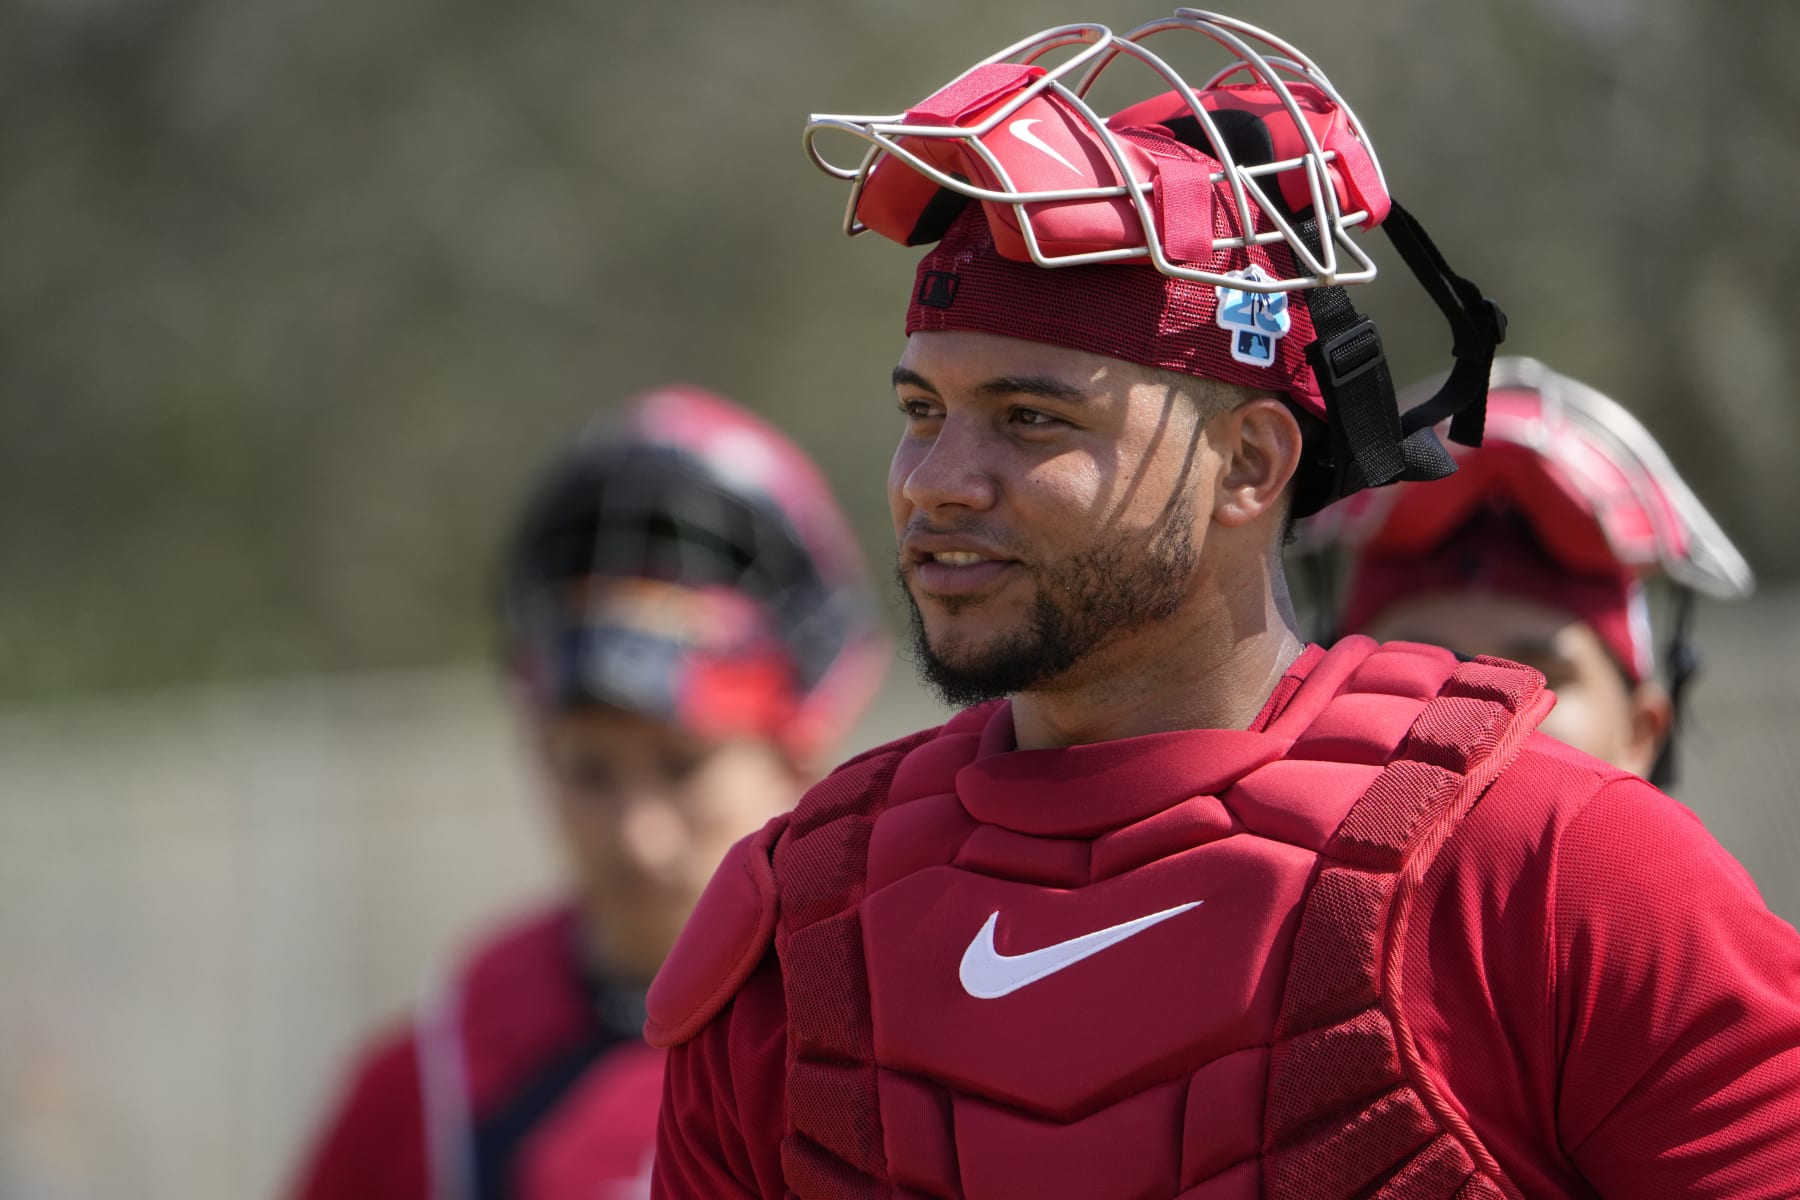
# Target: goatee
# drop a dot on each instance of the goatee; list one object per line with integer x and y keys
{"x": 1081, "y": 605}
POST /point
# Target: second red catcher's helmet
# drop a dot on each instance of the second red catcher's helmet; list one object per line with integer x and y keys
{"x": 1570, "y": 502}
{"x": 689, "y": 563}
{"x": 1591, "y": 483}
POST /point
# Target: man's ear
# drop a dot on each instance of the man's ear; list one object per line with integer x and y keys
{"x": 1652, "y": 716}
{"x": 1258, "y": 443}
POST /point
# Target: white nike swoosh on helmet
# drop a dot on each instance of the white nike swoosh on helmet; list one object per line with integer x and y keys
{"x": 987, "y": 974}
{"x": 1021, "y": 129}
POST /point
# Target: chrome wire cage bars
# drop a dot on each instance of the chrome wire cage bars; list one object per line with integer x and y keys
{"x": 1321, "y": 267}
{"x": 1690, "y": 547}
{"x": 1698, "y": 554}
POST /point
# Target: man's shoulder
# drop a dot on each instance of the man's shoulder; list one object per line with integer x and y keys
{"x": 384, "y": 1073}
{"x": 520, "y": 942}
{"x": 862, "y": 781}
{"x": 857, "y": 777}
{"x": 1529, "y": 809}
{"x": 732, "y": 928}
{"x": 376, "y": 1126}
{"x": 1618, "y": 840}
{"x": 371, "y": 1142}
{"x": 517, "y": 993}
{"x": 1561, "y": 781}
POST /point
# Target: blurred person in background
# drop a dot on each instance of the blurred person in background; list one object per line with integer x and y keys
{"x": 689, "y": 629}
{"x": 1538, "y": 550}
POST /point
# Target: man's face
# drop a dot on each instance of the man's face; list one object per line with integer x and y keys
{"x": 1597, "y": 709}
{"x": 647, "y": 811}
{"x": 1044, "y": 503}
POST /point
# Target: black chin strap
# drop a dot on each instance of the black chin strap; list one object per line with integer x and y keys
{"x": 1372, "y": 443}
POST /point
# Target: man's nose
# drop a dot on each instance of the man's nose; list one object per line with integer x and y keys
{"x": 651, "y": 834}
{"x": 953, "y": 471}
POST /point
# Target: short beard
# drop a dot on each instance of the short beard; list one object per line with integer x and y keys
{"x": 1082, "y": 605}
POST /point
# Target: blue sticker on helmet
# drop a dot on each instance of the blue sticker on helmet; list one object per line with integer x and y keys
{"x": 1255, "y": 320}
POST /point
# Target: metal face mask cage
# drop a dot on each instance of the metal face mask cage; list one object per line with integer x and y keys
{"x": 1685, "y": 541}
{"x": 1131, "y": 203}
{"x": 1333, "y": 170}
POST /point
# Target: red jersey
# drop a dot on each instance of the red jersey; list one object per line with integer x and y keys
{"x": 1592, "y": 984}
{"x": 526, "y": 1078}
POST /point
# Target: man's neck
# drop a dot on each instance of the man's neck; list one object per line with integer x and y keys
{"x": 1214, "y": 670}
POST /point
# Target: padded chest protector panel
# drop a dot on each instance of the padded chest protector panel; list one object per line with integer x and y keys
{"x": 721, "y": 944}
{"x": 1331, "y": 1103}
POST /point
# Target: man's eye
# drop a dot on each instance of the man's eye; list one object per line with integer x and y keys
{"x": 916, "y": 410}
{"x": 1033, "y": 417}
{"x": 591, "y": 774}
{"x": 677, "y": 765}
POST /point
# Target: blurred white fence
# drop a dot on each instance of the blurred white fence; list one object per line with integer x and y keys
{"x": 202, "y": 895}
{"x": 206, "y": 897}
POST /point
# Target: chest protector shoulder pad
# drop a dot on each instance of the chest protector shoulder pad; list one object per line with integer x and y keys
{"x": 734, "y": 921}
{"x": 1347, "y": 1103}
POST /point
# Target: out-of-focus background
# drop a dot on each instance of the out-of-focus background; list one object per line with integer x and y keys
{"x": 295, "y": 294}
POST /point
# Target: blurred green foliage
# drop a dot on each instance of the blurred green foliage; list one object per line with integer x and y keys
{"x": 295, "y": 294}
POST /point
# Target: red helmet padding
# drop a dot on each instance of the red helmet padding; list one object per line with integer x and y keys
{"x": 1080, "y": 160}
{"x": 895, "y": 196}
{"x": 1048, "y": 144}
{"x": 979, "y": 91}
{"x": 1502, "y": 475}
{"x": 1183, "y": 199}
{"x": 1353, "y": 174}
{"x": 1580, "y": 504}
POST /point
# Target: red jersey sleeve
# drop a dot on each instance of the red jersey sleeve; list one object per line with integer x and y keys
{"x": 724, "y": 1103}
{"x": 1677, "y": 997}
{"x": 373, "y": 1143}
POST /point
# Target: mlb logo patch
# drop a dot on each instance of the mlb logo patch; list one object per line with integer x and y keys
{"x": 1256, "y": 321}
{"x": 937, "y": 289}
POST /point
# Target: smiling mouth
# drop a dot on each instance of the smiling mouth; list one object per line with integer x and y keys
{"x": 955, "y": 574}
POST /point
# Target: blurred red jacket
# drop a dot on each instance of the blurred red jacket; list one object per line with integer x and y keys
{"x": 525, "y": 1079}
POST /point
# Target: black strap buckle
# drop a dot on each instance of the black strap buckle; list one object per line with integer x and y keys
{"x": 1371, "y": 356}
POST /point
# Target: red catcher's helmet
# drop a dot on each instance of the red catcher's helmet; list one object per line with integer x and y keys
{"x": 1570, "y": 502}
{"x": 1240, "y": 193}
{"x": 1597, "y": 492}
{"x": 690, "y": 564}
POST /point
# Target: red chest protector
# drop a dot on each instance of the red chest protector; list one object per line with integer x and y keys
{"x": 1164, "y": 967}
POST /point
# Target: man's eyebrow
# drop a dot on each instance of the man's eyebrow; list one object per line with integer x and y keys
{"x": 1047, "y": 386}
{"x": 1540, "y": 648}
{"x": 908, "y": 375}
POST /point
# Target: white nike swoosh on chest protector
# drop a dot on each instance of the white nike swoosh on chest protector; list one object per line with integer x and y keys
{"x": 987, "y": 974}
